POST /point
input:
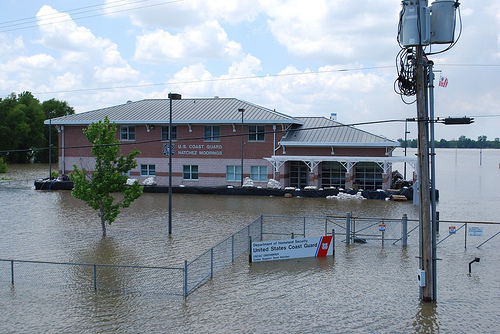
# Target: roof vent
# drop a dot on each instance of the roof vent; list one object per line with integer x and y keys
{"x": 129, "y": 101}
{"x": 216, "y": 97}
{"x": 333, "y": 116}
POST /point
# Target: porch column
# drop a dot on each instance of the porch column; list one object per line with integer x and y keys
{"x": 386, "y": 176}
{"x": 349, "y": 175}
{"x": 313, "y": 179}
{"x": 386, "y": 181}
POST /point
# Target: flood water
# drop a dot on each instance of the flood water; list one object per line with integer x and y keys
{"x": 364, "y": 288}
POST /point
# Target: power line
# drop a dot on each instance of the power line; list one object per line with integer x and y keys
{"x": 32, "y": 19}
{"x": 173, "y": 83}
{"x": 137, "y": 143}
{"x": 62, "y": 14}
{"x": 214, "y": 80}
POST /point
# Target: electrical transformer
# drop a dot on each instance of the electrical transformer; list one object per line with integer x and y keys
{"x": 420, "y": 25}
{"x": 443, "y": 21}
{"x": 414, "y": 23}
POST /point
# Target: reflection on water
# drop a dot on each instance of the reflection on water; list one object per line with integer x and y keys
{"x": 426, "y": 319}
{"x": 364, "y": 288}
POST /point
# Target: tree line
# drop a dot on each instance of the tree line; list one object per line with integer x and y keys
{"x": 24, "y": 137}
{"x": 461, "y": 142}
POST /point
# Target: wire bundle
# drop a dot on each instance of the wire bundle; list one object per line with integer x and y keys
{"x": 405, "y": 84}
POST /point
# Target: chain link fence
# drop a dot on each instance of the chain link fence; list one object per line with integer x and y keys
{"x": 224, "y": 253}
{"x": 102, "y": 277}
{"x": 184, "y": 279}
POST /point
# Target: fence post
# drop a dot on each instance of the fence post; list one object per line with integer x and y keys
{"x": 185, "y": 287}
{"x": 261, "y": 226}
{"x": 293, "y": 236}
{"x": 333, "y": 242}
{"x": 404, "y": 230}
{"x": 211, "y": 262}
{"x": 250, "y": 249}
{"x": 465, "y": 234}
{"x": 232, "y": 248}
{"x": 304, "y": 231}
{"x": 12, "y": 272}
{"x": 95, "y": 277}
{"x": 348, "y": 228}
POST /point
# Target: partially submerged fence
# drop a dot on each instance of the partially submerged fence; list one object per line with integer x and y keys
{"x": 102, "y": 277}
{"x": 185, "y": 279}
{"x": 471, "y": 229}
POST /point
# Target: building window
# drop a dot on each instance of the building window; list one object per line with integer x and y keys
{"x": 127, "y": 132}
{"x": 368, "y": 176}
{"x": 258, "y": 173}
{"x": 164, "y": 133}
{"x": 212, "y": 133}
{"x": 148, "y": 170}
{"x": 332, "y": 174}
{"x": 256, "y": 132}
{"x": 190, "y": 172}
{"x": 233, "y": 173}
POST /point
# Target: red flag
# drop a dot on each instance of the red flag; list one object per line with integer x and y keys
{"x": 443, "y": 82}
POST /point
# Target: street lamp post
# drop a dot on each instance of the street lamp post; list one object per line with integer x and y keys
{"x": 242, "y": 111}
{"x": 406, "y": 146}
{"x": 50, "y": 146}
{"x": 171, "y": 96}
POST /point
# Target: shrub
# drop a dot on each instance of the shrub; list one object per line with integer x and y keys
{"x": 3, "y": 166}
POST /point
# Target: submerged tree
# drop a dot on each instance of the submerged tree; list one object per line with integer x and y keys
{"x": 105, "y": 189}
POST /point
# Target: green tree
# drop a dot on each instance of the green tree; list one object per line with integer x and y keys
{"x": 23, "y": 136}
{"x": 21, "y": 127}
{"x": 105, "y": 188}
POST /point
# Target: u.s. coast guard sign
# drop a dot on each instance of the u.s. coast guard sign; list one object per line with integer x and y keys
{"x": 291, "y": 248}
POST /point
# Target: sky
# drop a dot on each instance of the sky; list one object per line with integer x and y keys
{"x": 301, "y": 58}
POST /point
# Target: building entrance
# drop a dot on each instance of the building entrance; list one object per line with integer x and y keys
{"x": 299, "y": 174}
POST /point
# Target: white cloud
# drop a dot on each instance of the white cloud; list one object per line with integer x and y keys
{"x": 25, "y": 64}
{"x": 10, "y": 47}
{"x": 180, "y": 14}
{"x": 66, "y": 81}
{"x": 61, "y": 33}
{"x": 334, "y": 30}
{"x": 83, "y": 53}
{"x": 205, "y": 41}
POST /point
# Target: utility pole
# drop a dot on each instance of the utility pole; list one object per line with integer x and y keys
{"x": 418, "y": 28}
{"x": 425, "y": 227}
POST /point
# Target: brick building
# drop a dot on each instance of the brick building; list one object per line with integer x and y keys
{"x": 213, "y": 138}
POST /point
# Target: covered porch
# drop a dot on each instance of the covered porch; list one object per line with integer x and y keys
{"x": 370, "y": 173}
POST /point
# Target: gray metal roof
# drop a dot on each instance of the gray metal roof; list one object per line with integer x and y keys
{"x": 321, "y": 131}
{"x": 184, "y": 111}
